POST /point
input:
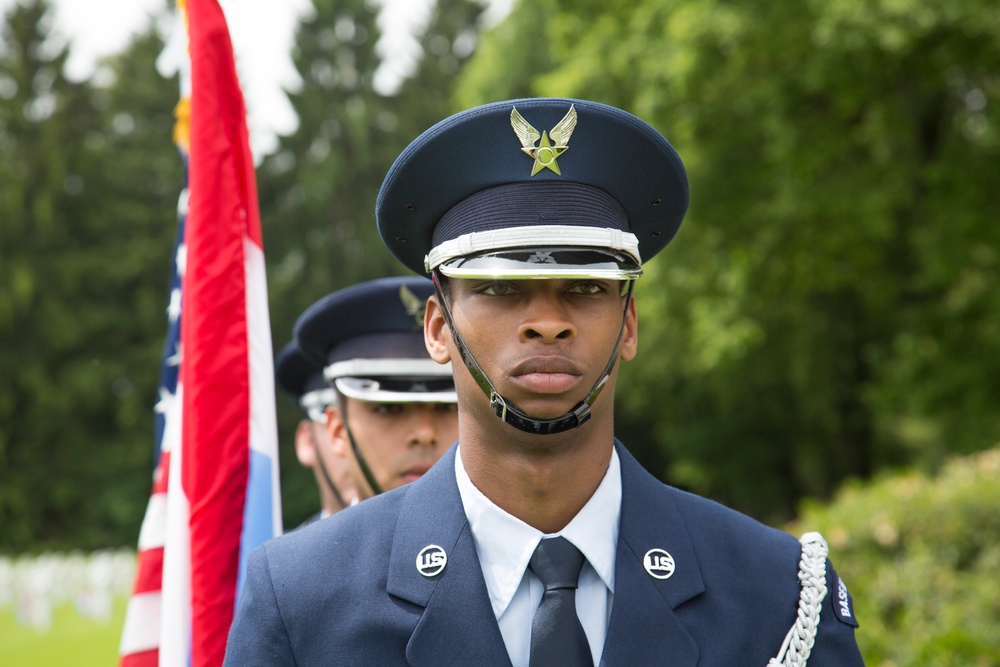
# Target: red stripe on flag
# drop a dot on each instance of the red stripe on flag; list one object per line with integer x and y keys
{"x": 161, "y": 476}
{"x": 215, "y": 366}
{"x": 144, "y": 659}
{"x": 149, "y": 565}
{"x": 149, "y": 571}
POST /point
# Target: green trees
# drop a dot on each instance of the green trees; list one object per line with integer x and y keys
{"x": 830, "y": 305}
{"x": 87, "y": 199}
{"x": 318, "y": 190}
{"x": 89, "y": 180}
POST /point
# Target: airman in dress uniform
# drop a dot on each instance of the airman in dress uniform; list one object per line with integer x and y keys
{"x": 393, "y": 412}
{"x": 302, "y": 378}
{"x": 538, "y": 539}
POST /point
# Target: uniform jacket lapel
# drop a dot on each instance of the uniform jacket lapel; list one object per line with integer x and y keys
{"x": 644, "y": 630}
{"x": 457, "y": 626}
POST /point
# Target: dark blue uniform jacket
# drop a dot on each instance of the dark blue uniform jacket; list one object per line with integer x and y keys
{"x": 346, "y": 590}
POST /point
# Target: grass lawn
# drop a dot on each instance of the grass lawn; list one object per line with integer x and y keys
{"x": 72, "y": 640}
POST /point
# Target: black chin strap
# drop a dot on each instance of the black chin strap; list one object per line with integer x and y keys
{"x": 362, "y": 463}
{"x": 506, "y": 410}
{"x": 326, "y": 474}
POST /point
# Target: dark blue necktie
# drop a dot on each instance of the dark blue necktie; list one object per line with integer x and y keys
{"x": 557, "y": 638}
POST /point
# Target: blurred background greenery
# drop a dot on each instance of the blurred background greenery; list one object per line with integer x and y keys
{"x": 72, "y": 639}
{"x": 920, "y": 554}
{"x": 826, "y": 319}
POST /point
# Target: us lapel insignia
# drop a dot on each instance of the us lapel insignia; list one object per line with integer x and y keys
{"x": 431, "y": 560}
{"x": 659, "y": 564}
{"x": 413, "y": 306}
{"x": 553, "y": 143}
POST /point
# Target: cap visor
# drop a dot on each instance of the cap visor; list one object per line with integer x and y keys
{"x": 398, "y": 390}
{"x": 544, "y": 262}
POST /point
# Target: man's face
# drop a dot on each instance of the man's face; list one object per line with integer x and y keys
{"x": 542, "y": 343}
{"x": 399, "y": 441}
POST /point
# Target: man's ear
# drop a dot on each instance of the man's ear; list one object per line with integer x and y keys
{"x": 630, "y": 336}
{"x": 436, "y": 333}
{"x": 336, "y": 429}
{"x": 304, "y": 449}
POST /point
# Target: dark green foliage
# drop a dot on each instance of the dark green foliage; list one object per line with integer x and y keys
{"x": 509, "y": 56}
{"x": 87, "y": 199}
{"x": 920, "y": 556}
{"x": 830, "y": 306}
{"x": 89, "y": 179}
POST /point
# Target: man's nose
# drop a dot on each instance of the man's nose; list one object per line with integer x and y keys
{"x": 424, "y": 431}
{"x": 546, "y": 320}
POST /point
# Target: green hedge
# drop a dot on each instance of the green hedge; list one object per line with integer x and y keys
{"x": 921, "y": 557}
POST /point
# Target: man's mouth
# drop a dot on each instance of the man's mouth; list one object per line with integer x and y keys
{"x": 415, "y": 471}
{"x": 546, "y": 374}
{"x": 545, "y": 364}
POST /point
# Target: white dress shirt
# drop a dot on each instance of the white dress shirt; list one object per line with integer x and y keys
{"x": 505, "y": 545}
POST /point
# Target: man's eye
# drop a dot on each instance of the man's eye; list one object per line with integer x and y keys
{"x": 586, "y": 288}
{"x": 387, "y": 408}
{"x": 497, "y": 289}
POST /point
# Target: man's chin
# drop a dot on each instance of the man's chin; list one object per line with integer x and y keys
{"x": 546, "y": 410}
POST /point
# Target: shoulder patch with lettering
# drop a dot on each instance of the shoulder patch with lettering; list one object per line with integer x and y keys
{"x": 840, "y": 599}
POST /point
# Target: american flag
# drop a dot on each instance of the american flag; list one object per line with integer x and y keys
{"x": 215, "y": 490}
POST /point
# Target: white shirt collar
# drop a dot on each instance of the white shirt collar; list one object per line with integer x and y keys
{"x": 505, "y": 543}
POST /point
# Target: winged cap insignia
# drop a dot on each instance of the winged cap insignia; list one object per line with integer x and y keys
{"x": 546, "y": 152}
{"x": 413, "y": 305}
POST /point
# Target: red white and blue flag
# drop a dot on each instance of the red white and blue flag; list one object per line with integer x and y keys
{"x": 215, "y": 492}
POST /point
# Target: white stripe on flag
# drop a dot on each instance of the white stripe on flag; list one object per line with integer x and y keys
{"x": 154, "y": 524}
{"x": 175, "y": 612}
{"x": 262, "y": 511}
{"x": 142, "y": 623}
{"x": 263, "y": 419}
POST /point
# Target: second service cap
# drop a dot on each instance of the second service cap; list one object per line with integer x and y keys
{"x": 370, "y": 340}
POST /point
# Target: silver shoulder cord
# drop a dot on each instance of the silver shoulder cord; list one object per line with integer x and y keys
{"x": 812, "y": 576}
